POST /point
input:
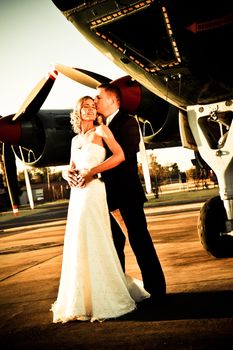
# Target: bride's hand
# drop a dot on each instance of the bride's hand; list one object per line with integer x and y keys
{"x": 72, "y": 177}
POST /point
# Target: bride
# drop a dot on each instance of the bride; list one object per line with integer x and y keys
{"x": 93, "y": 285}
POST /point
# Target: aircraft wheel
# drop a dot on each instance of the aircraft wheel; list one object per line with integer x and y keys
{"x": 211, "y": 227}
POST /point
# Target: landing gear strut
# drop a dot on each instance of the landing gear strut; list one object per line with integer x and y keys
{"x": 212, "y": 129}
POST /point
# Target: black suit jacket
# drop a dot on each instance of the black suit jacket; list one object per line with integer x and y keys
{"x": 123, "y": 185}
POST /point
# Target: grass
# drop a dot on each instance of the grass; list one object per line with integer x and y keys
{"x": 166, "y": 198}
{"x": 182, "y": 197}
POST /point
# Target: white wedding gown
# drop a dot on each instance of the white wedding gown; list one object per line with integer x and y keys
{"x": 92, "y": 283}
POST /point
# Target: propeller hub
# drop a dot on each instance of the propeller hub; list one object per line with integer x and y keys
{"x": 10, "y": 132}
{"x": 130, "y": 93}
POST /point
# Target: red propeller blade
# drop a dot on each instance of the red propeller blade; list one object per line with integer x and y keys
{"x": 11, "y": 176}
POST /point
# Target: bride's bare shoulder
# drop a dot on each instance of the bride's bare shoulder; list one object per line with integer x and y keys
{"x": 103, "y": 130}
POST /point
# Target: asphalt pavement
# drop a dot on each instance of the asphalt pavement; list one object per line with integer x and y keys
{"x": 196, "y": 315}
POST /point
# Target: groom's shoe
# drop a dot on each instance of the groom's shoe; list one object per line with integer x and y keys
{"x": 158, "y": 300}
{"x": 157, "y": 295}
{"x": 152, "y": 302}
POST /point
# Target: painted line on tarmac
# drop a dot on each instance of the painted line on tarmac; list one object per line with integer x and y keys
{"x": 28, "y": 268}
{"x": 34, "y": 226}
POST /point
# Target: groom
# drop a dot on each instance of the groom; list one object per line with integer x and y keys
{"x": 125, "y": 192}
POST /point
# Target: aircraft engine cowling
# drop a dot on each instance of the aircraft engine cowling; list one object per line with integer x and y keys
{"x": 157, "y": 118}
{"x": 45, "y": 139}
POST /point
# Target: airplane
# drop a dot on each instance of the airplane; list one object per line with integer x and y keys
{"x": 177, "y": 59}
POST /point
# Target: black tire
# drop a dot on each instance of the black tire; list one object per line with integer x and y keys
{"x": 211, "y": 226}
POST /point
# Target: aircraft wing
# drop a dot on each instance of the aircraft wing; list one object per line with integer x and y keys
{"x": 179, "y": 49}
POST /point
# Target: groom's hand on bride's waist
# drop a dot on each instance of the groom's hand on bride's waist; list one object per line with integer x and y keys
{"x": 84, "y": 177}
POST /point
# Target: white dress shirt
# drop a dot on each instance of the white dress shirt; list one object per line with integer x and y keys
{"x": 110, "y": 118}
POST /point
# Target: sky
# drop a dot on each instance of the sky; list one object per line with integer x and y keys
{"x": 35, "y": 35}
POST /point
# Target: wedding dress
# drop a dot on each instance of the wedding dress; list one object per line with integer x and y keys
{"x": 92, "y": 283}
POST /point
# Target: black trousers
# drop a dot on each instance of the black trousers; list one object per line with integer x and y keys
{"x": 142, "y": 246}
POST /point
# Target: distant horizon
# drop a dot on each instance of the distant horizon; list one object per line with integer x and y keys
{"x": 161, "y": 157}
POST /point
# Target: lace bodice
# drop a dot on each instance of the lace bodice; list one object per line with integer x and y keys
{"x": 87, "y": 156}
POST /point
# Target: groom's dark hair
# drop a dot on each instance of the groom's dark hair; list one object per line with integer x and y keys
{"x": 114, "y": 89}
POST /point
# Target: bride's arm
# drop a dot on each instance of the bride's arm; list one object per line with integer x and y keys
{"x": 71, "y": 176}
{"x": 115, "y": 159}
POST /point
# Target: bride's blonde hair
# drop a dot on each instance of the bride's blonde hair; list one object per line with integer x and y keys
{"x": 75, "y": 115}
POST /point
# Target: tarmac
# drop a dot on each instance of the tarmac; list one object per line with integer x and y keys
{"x": 197, "y": 313}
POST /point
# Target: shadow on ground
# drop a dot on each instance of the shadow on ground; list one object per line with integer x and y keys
{"x": 185, "y": 321}
{"x": 187, "y": 306}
